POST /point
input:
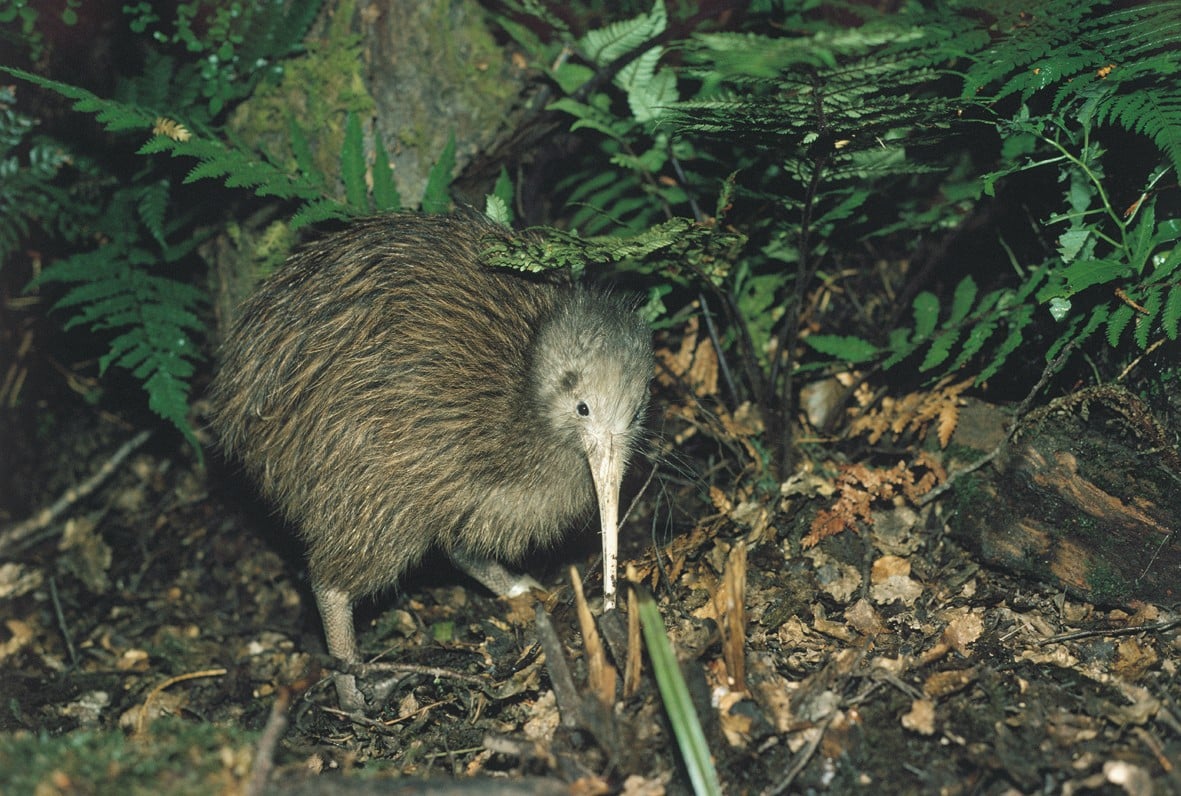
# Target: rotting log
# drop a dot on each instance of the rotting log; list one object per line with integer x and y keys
{"x": 1087, "y": 495}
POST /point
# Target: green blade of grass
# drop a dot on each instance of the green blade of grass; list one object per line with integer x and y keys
{"x": 675, "y": 693}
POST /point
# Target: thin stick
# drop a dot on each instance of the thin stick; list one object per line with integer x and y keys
{"x": 1156, "y": 627}
{"x": 264, "y": 752}
{"x": 801, "y": 758}
{"x": 18, "y": 533}
{"x": 142, "y": 723}
{"x": 61, "y": 621}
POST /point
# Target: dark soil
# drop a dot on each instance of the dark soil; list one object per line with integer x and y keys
{"x": 153, "y": 627}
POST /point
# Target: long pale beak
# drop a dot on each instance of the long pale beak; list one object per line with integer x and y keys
{"x": 607, "y": 463}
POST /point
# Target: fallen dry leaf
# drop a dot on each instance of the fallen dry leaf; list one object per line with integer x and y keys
{"x": 962, "y": 631}
{"x": 888, "y": 567}
{"x": 941, "y": 684}
{"x": 862, "y": 617}
{"x": 921, "y": 717}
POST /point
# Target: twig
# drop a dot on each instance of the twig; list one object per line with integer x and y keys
{"x": 569, "y": 702}
{"x": 61, "y": 621}
{"x": 802, "y": 757}
{"x": 1132, "y": 365}
{"x": 141, "y": 723}
{"x": 264, "y": 752}
{"x": 13, "y": 536}
{"x": 1156, "y": 627}
{"x": 366, "y": 669}
{"x": 715, "y": 340}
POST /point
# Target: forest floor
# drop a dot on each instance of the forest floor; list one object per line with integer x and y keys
{"x": 159, "y": 636}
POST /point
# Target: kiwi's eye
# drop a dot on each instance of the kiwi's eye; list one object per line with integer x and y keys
{"x": 582, "y": 409}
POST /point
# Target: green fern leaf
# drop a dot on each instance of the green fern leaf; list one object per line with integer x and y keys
{"x": 317, "y": 211}
{"x": 87, "y": 293}
{"x": 1116, "y": 324}
{"x": 276, "y": 30}
{"x": 168, "y": 397}
{"x": 436, "y": 198}
{"x": 1152, "y": 303}
{"x": 352, "y": 164}
{"x": 302, "y": 152}
{"x": 1017, "y": 321}
{"x": 978, "y": 335}
{"x": 385, "y": 192}
{"x": 1141, "y": 238}
{"x": 940, "y": 350}
{"x": 604, "y": 45}
{"x": 901, "y": 344}
{"x": 1082, "y": 274}
{"x": 961, "y": 301}
{"x": 926, "y": 315}
{"x": 114, "y": 116}
{"x": 152, "y": 205}
{"x": 1172, "y": 312}
{"x": 153, "y": 317}
{"x": 843, "y": 347}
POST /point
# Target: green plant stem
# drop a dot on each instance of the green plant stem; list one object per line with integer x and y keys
{"x": 1082, "y": 166}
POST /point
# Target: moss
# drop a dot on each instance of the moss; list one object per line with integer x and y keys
{"x": 174, "y": 756}
{"x": 318, "y": 91}
{"x": 265, "y": 250}
{"x": 1107, "y": 585}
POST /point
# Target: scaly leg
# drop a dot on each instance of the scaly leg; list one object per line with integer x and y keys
{"x": 336, "y": 612}
{"x": 492, "y": 574}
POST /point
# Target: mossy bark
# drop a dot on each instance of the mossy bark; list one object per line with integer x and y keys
{"x": 1086, "y": 497}
{"x": 413, "y": 71}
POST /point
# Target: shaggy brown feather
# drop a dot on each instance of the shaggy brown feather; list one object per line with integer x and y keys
{"x": 390, "y": 394}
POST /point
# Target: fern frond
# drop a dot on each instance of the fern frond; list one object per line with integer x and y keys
{"x": 1171, "y": 317}
{"x": 550, "y": 248}
{"x": 277, "y": 31}
{"x": 1024, "y": 42}
{"x": 30, "y": 195}
{"x": 114, "y": 116}
{"x": 1120, "y": 66}
{"x": 1117, "y": 323}
{"x": 155, "y": 319}
{"x": 1151, "y": 110}
{"x": 352, "y": 163}
{"x": 604, "y": 45}
{"x": 152, "y": 205}
{"x": 436, "y": 198}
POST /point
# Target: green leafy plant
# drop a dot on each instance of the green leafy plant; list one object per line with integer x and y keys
{"x": 24, "y": 17}
{"x": 126, "y": 287}
{"x": 624, "y": 194}
{"x": 230, "y": 46}
{"x": 31, "y": 191}
{"x": 153, "y": 318}
{"x": 821, "y": 141}
{"x": 130, "y": 287}
{"x": 1073, "y": 71}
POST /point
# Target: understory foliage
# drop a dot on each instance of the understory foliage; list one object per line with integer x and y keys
{"x": 741, "y": 172}
{"x": 825, "y": 142}
{"x": 127, "y": 281}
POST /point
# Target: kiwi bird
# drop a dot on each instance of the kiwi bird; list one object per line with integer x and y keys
{"x": 392, "y": 394}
